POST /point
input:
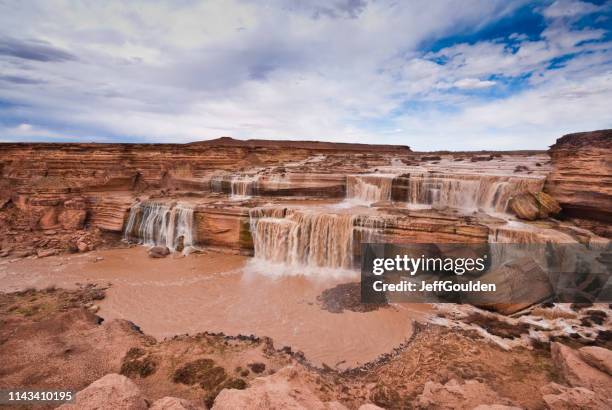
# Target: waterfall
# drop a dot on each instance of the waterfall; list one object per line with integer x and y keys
{"x": 489, "y": 193}
{"x": 301, "y": 238}
{"x": 369, "y": 188}
{"x": 154, "y": 223}
{"x": 238, "y": 186}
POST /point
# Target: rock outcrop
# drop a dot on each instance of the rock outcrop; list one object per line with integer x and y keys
{"x": 561, "y": 397}
{"x": 577, "y": 373}
{"x": 597, "y": 357}
{"x": 455, "y": 395}
{"x": 282, "y": 390}
{"x": 581, "y": 178}
{"x": 112, "y": 391}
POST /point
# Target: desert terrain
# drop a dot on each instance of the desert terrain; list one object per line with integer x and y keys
{"x": 225, "y": 274}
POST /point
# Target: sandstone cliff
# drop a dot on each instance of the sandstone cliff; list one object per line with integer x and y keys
{"x": 581, "y": 178}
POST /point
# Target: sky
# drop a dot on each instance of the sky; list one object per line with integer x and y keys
{"x": 432, "y": 74}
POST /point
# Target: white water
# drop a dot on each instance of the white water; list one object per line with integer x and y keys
{"x": 368, "y": 188}
{"x": 303, "y": 238}
{"x": 154, "y": 223}
{"x": 309, "y": 242}
{"x": 240, "y": 186}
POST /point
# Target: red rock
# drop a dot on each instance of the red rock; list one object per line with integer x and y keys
{"x": 112, "y": 391}
{"x": 173, "y": 403}
{"x": 82, "y": 246}
{"x": 283, "y": 390}
{"x": 43, "y": 253}
{"x": 454, "y": 395}
{"x": 570, "y": 398}
{"x": 72, "y": 219}
{"x": 577, "y": 373}
{"x": 159, "y": 252}
{"x": 581, "y": 180}
{"x": 49, "y": 219}
{"x": 532, "y": 206}
{"x": 598, "y": 357}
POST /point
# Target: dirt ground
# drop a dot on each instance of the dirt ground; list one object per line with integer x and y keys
{"x": 52, "y": 339}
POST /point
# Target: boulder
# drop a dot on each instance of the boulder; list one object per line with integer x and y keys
{"x": 512, "y": 295}
{"x": 82, "y": 246}
{"x": 283, "y": 390}
{"x": 454, "y": 395}
{"x": 597, "y": 357}
{"x": 578, "y": 373}
{"x": 569, "y": 398}
{"x": 159, "y": 252}
{"x": 532, "y": 206}
{"x": 72, "y": 219}
{"x": 112, "y": 391}
{"x": 43, "y": 253}
{"x": 174, "y": 403}
{"x": 369, "y": 406}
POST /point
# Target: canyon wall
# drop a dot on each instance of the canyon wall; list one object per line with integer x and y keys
{"x": 52, "y": 193}
{"x": 581, "y": 178}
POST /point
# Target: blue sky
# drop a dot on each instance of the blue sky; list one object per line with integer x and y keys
{"x": 472, "y": 74}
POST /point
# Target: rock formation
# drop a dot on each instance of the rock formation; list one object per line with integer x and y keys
{"x": 581, "y": 178}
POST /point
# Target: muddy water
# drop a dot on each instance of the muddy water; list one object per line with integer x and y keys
{"x": 217, "y": 293}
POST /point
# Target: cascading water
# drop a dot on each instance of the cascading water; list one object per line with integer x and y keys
{"x": 368, "y": 189}
{"x": 154, "y": 223}
{"x": 303, "y": 238}
{"x": 468, "y": 192}
{"x": 310, "y": 241}
{"x": 238, "y": 186}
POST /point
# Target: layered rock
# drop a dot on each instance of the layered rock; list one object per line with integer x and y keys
{"x": 532, "y": 206}
{"x": 581, "y": 178}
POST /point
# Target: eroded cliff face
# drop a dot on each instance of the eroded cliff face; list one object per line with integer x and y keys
{"x": 75, "y": 197}
{"x": 58, "y": 195}
{"x": 581, "y": 178}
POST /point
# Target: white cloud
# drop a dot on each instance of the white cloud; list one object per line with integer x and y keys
{"x": 473, "y": 83}
{"x": 326, "y": 70}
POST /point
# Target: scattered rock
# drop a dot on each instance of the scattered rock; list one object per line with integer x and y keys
{"x": 112, "y": 391}
{"x": 454, "y": 395}
{"x": 578, "y": 373}
{"x": 159, "y": 252}
{"x": 173, "y": 403}
{"x": 82, "y": 246}
{"x": 597, "y": 357}
{"x": 570, "y": 398}
{"x": 43, "y": 253}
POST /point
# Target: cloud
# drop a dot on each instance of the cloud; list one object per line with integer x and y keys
{"x": 473, "y": 83}
{"x": 341, "y": 70}
{"x": 568, "y": 8}
{"x": 35, "y": 50}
